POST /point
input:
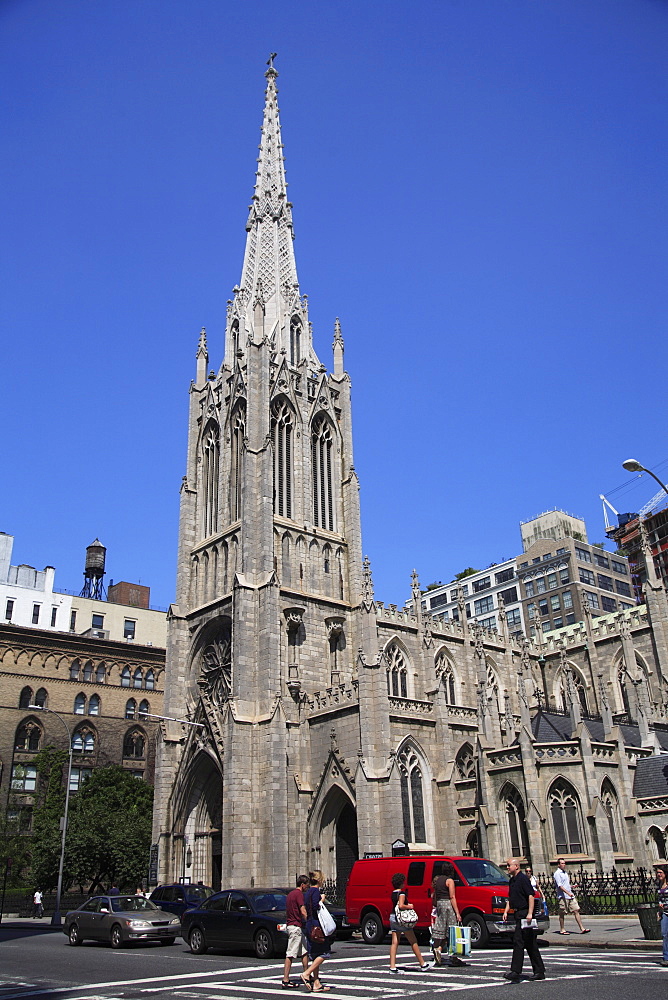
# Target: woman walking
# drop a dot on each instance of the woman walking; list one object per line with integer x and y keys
{"x": 317, "y": 945}
{"x": 400, "y": 902}
{"x": 447, "y": 913}
{"x": 662, "y": 898}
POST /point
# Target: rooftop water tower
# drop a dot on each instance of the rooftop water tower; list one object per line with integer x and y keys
{"x": 94, "y": 571}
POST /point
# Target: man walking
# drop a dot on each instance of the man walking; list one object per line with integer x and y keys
{"x": 37, "y": 908}
{"x": 521, "y": 900}
{"x": 566, "y": 899}
{"x": 296, "y": 915}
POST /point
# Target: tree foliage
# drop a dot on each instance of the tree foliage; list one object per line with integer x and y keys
{"x": 109, "y": 835}
{"x": 469, "y": 571}
{"x": 108, "y": 831}
{"x": 45, "y": 842}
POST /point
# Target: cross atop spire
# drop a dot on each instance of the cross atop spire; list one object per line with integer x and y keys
{"x": 269, "y": 255}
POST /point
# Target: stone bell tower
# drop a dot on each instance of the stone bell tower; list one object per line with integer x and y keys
{"x": 269, "y": 564}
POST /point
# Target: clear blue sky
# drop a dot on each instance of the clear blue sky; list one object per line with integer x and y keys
{"x": 479, "y": 192}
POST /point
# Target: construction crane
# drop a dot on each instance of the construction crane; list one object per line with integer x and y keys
{"x": 606, "y": 503}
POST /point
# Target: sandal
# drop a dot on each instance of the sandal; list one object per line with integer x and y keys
{"x": 289, "y": 985}
{"x": 322, "y": 988}
{"x": 307, "y": 982}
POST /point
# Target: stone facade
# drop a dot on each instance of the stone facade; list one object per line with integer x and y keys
{"x": 100, "y": 689}
{"x": 329, "y": 724}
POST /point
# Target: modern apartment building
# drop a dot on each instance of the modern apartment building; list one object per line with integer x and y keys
{"x": 482, "y": 595}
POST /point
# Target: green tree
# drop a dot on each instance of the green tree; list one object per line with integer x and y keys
{"x": 109, "y": 833}
{"x": 46, "y": 839}
{"x": 469, "y": 571}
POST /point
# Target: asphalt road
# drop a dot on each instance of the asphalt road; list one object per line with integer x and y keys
{"x": 41, "y": 964}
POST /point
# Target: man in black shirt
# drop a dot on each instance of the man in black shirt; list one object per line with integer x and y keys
{"x": 521, "y": 900}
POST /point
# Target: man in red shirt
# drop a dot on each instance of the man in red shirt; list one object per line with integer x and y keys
{"x": 296, "y": 915}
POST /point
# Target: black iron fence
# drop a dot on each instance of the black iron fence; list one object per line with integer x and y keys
{"x": 616, "y": 891}
{"x": 20, "y": 902}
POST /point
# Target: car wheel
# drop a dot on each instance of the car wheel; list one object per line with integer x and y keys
{"x": 372, "y": 928}
{"x": 479, "y": 932}
{"x": 263, "y": 943}
{"x": 167, "y": 941}
{"x": 116, "y": 937}
{"x": 74, "y": 936}
{"x": 196, "y": 941}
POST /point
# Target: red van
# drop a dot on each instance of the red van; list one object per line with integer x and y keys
{"x": 481, "y": 887}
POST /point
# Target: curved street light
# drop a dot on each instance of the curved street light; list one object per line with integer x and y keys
{"x": 55, "y": 919}
{"x": 633, "y": 465}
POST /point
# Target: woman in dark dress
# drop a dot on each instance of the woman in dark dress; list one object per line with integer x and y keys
{"x": 318, "y": 951}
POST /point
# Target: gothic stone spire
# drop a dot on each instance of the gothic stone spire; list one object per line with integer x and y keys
{"x": 269, "y": 255}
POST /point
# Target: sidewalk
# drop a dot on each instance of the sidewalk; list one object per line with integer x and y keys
{"x": 606, "y": 932}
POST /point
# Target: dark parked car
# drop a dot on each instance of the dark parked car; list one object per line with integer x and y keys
{"x": 237, "y": 919}
{"x": 178, "y": 897}
{"x": 119, "y": 920}
{"x": 244, "y": 918}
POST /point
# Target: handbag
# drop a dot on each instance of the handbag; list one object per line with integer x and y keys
{"x": 326, "y": 920}
{"x": 406, "y": 918}
{"x": 459, "y": 942}
{"x": 314, "y": 931}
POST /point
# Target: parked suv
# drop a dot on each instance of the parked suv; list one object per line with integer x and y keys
{"x": 178, "y": 897}
{"x": 481, "y": 887}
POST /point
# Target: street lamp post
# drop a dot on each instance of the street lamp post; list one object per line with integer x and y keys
{"x": 633, "y": 465}
{"x": 55, "y": 919}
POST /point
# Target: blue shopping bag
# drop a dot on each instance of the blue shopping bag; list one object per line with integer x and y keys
{"x": 460, "y": 940}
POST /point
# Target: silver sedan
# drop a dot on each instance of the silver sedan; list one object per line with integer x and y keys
{"x": 119, "y": 920}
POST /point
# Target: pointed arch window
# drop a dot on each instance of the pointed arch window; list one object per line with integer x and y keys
{"x": 237, "y": 458}
{"x": 28, "y": 736}
{"x": 323, "y": 476}
{"x": 446, "y": 673}
{"x": 210, "y": 469}
{"x": 564, "y": 807}
{"x": 465, "y": 763}
{"x": 397, "y": 673}
{"x": 137, "y": 678}
{"x": 150, "y": 680}
{"x": 143, "y": 708}
{"x": 101, "y": 674}
{"x": 658, "y": 841}
{"x": 40, "y": 698}
{"x": 412, "y": 796}
{"x": 88, "y": 671}
{"x": 130, "y": 708}
{"x": 94, "y": 704}
{"x": 295, "y": 340}
{"x": 580, "y": 690}
{"x": 493, "y": 686}
{"x": 134, "y": 744}
{"x": 125, "y": 677}
{"x": 25, "y": 698}
{"x": 80, "y": 704}
{"x": 83, "y": 741}
{"x": 281, "y": 436}
{"x": 235, "y": 342}
{"x": 518, "y": 838}
{"x": 622, "y": 677}
{"x": 75, "y": 668}
{"x": 610, "y": 803}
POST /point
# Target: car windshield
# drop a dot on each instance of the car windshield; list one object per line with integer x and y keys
{"x": 267, "y": 902}
{"x": 121, "y": 904}
{"x": 479, "y": 872}
{"x": 198, "y": 892}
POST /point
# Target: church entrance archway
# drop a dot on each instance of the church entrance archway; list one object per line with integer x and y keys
{"x": 338, "y": 837}
{"x": 197, "y": 844}
{"x": 346, "y": 847}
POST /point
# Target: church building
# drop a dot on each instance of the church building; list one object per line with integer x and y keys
{"x": 319, "y": 724}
